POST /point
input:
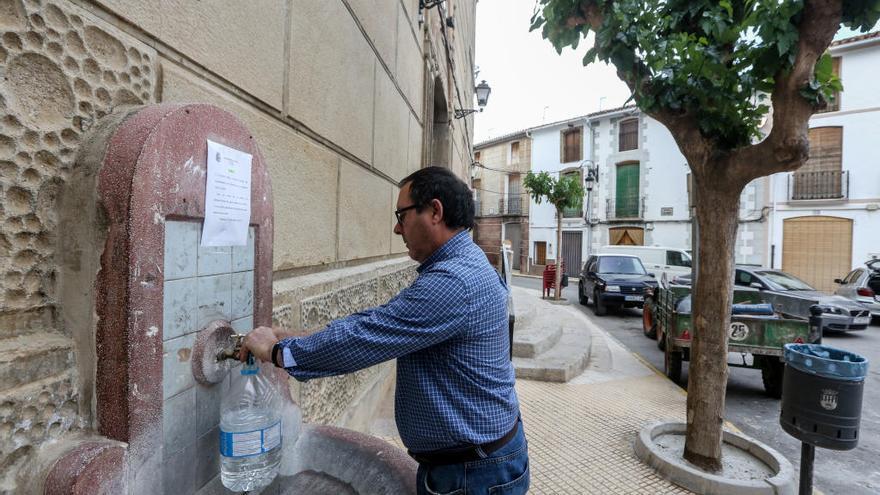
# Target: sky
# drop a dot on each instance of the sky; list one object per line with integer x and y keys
{"x": 531, "y": 84}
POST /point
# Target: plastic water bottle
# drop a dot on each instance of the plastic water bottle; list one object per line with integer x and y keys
{"x": 250, "y": 431}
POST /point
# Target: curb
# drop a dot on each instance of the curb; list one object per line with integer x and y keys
{"x": 687, "y": 476}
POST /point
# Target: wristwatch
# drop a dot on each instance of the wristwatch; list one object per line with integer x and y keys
{"x": 275, "y": 350}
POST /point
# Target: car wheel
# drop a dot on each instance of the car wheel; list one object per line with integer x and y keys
{"x": 649, "y": 327}
{"x": 582, "y": 298}
{"x": 772, "y": 373}
{"x": 598, "y": 307}
{"x": 672, "y": 365}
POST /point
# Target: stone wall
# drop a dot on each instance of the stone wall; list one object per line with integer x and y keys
{"x": 340, "y": 118}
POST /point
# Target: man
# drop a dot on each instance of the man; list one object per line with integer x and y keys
{"x": 455, "y": 404}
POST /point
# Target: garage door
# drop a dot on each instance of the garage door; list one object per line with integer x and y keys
{"x": 817, "y": 249}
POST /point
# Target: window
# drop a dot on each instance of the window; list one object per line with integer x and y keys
{"x": 478, "y": 206}
{"x": 621, "y": 264}
{"x": 743, "y": 278}
{"x": 834, "y": 104}
{"x": 574, "y": 212}
{"x": 626, "y": 203}
{"x": 629, "y": 135}
{"x": 852, "y": 277}
{"x": 514, "y": 152}
{"x": 571, "y": 145}
{"x": 477, "y": 156}
{"x": 821, "y": 177}
{"x": 514, "y": 196}
{"x": 678, "y": 258}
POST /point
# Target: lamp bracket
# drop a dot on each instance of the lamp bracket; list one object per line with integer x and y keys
{"x": 464, "y": 112}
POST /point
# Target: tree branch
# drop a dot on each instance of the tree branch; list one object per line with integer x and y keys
{"x": 683, "y": 126}
{"x": 787, "y": 146}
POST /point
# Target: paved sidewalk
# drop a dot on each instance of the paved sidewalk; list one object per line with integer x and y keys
{"x": 581, "y": 433}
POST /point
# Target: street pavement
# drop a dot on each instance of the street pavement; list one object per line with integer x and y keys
{"x": 747, "y": 408}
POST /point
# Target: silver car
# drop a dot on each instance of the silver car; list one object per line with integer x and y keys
{"x": 863, "y": 286}
{"x": 792, "y": 296}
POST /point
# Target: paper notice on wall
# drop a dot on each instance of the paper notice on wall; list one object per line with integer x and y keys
{"x": 227, "y": 197}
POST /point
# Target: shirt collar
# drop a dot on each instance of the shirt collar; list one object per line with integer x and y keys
{"x": 457, "y": 241}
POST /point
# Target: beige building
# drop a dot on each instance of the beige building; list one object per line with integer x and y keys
{"x": 343, "y": 97}
{"x": 502, "y": 204}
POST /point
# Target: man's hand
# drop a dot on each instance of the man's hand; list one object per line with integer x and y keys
{"x": 259, "y": 342}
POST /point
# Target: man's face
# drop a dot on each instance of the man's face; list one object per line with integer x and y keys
{"x": 414, "y": 226}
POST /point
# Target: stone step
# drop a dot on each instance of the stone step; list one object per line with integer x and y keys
{"x": 562, "y": 362}
{"x": 531, "y": 340}
{"x": 28, "y": 358}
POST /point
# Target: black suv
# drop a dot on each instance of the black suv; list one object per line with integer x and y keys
{"x": 614, "y": 280}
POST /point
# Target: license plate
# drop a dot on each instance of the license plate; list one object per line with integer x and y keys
{"x": 864, "y": 320}
{"x": 634, "y": 298}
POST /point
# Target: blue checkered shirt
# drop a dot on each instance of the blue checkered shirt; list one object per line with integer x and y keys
{"x": 449, "y": 333}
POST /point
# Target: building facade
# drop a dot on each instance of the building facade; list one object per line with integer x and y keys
{"x": 343, "y": 97}
{"x": 502, "y": 205}
{"x": 638, "y": 192}
{"x": 825, "y": 217}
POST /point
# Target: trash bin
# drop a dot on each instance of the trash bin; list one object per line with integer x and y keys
{"x": 822, "y": 395}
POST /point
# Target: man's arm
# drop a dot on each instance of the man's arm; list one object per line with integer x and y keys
{"x": 430, "y": 311}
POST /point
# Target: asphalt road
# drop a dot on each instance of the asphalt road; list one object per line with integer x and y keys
{"x": 835, "y": 472}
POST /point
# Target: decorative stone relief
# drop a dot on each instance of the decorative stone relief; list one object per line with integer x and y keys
{"x": 61, "y": 70}
{"x": 324, "y": 400}
{"x": 41, "y": 411}
{"x": 390, "y": 285}
{"x": 320, "y": 310}
{"x": 282, "y": 316}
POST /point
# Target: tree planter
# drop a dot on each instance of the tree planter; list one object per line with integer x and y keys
{"x": 749, "y": 467}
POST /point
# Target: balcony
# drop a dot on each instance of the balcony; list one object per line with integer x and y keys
{"x": 627, "y": 208}
{"x": 805, "y": 186}
{"x": 511, "y": 205}
{"x": 572, "y": 212}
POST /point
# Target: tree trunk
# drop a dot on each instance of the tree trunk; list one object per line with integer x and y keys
{"x": 717, "y": 209}
{"x": 557, "y": 289}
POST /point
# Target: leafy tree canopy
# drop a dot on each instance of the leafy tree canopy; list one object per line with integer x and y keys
{"x": 566, "y": 192}
{"x": 713, "y": 59}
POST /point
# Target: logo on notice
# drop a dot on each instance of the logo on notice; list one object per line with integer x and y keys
{"x": 828, "y": 400}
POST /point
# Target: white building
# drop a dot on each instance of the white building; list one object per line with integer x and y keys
{"x": 825, "y": 217}
{"x": 639, "y": 192}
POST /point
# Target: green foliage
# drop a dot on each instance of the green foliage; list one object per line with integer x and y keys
{"x": 565, "y": 192}
{"x": 713, "y": 59}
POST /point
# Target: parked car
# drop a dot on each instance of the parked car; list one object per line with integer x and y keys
{"x": 658, "y": 260}
{"x": 614, "y": 281}
{"x": 792, "y": 297}
{"x": 863, "y": 286}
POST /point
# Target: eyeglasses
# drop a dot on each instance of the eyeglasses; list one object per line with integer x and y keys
{"x": 400, "y": 217}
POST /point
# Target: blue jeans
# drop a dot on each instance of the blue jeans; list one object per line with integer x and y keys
{"x": 503, "y": 472}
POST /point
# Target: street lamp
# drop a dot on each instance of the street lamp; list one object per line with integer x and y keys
{"x": 589, "y": 180}
{"x": 483, "y": 90}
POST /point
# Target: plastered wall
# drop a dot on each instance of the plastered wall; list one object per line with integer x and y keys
{"x": 335, "y": 93}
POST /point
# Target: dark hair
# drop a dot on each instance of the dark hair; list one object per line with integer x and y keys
{"x": 439, "y": 183}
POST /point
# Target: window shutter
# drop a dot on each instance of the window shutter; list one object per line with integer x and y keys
{"x": 826, "y": 144}
{"x": 629, "y": 135}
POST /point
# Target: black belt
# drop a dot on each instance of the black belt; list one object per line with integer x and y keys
{"x": 468, "y": 453}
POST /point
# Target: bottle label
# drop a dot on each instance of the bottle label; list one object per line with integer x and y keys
{"x": 248, "y": 443}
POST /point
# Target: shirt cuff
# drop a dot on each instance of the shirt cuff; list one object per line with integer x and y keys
{"x": 287, "y": 360}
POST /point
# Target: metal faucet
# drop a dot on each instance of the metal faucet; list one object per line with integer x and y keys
{"x": 231, "y": 352}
